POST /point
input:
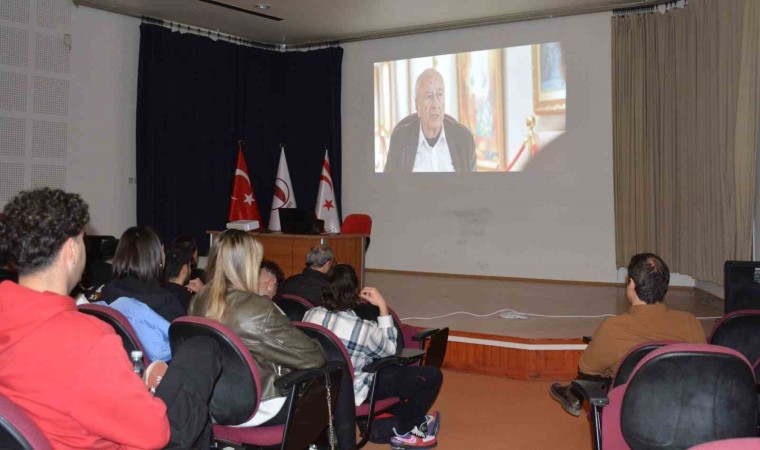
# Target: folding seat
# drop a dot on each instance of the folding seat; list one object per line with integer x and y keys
{"x": 740, "y": 330}
{"x": 677, "y": 396}
{"x": 336, "y": 352}
{"x": 294, "y": 306}
{"x": 17, "y": 430}
{"x": 235, "y": 399}
{"x": 120, "y": 325}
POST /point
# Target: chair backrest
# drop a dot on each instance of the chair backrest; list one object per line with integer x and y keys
{"x": 330, "y": 343}
{"x": 740, "y": 330}
{"x": 17, "y": 430}
{"x": 235, "y": 399}
{"x": 632, "y": 359}
{"x": 120, "y": 325}
{"x": 436, "y": 351}
{"x": 356, "y": 224}
{"x": 730, "y": 444}
{"x": 294, "y": 306}
{"x": 309, "y": 413}
{"x": 367, "y": 311}
{"x": 682, "y": 395}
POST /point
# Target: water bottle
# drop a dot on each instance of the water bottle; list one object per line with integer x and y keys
{"x": 137, "y": 362}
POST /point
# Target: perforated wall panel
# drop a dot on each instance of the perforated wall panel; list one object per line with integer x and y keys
{"x": 51, "y": 96}
{"x": 49, "y": 139}
{"x": 13, "y": 91}
{"x": 15, "y": 10}
{"x": 14, "y": 46}
{"x": 12, "y": 136}
{"x": 12, "y": 176}
{"x": 51, "y": 54}
{"x": 44, "y": 175}
{"x": 54, "y": 14}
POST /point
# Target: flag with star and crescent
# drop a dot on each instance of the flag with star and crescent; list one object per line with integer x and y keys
{"x": 326, "y": 208}
{"x": 243, "y": 204}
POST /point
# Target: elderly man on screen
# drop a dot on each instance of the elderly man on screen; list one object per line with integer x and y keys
{"x": 429, "y": 140}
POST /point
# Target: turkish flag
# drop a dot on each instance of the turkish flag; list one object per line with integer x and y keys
{"x": 243, "y": 201}
{"x": 327, "y": 208}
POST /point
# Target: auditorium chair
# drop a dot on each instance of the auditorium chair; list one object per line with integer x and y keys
{"x": 120, "y": 325}
{"x": 740, "y": 330}
{"x": 357, "y": 224}
{"x": 235, "y": 399}
{"x": 294, "y": 306}
{"x": 632, "y": 359}
{"x": 730, "y": 444}
{"x": 677, "y": 396}
{"x": 336, "y": 352}
{"x": 433, "y": 340}
{"x": 17, "y": 430}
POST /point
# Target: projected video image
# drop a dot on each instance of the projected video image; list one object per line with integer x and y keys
{"x": 483, "y": 111}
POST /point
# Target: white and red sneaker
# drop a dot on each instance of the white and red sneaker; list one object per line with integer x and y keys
{"x": 413, "y": 439}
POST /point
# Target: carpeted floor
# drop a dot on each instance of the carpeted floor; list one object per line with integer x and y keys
{"x": 482, "y": 412}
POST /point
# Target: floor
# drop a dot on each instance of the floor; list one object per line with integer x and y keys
{"x": 420, "y": 299}
{"x": 491, "y": 413}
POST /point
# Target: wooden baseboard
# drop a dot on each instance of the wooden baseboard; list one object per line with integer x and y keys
{"x": 513, "y": 357}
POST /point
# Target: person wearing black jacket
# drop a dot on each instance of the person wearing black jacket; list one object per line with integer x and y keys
{"x": 309, "y": 283}
{"x": 137, "y": 271}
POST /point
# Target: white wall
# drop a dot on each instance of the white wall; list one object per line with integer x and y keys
{"x": 552, "y": 223}
{"x": 103, "y": 101}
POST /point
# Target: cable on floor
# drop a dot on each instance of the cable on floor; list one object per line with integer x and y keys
{"x": 511, "y": 314}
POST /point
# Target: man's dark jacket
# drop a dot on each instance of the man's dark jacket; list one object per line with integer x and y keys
{"x": 307, "y": 284}
{"x": 405, "y": 140}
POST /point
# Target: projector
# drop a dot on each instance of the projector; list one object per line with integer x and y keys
{"x": 245, "y": 225}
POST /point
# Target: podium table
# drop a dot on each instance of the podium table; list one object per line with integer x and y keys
{"x": 289, "y": 250}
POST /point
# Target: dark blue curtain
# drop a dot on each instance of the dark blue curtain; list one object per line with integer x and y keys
{"x": 196, "y": 98}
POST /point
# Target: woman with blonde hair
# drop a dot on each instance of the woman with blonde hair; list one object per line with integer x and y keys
{"x": 231, "y": 297}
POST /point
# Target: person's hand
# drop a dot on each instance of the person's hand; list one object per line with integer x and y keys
{"x": 195, "y": 285}
{"x": 373, "y": 296}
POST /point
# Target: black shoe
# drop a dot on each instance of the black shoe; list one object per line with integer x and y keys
{"x": 567, "y": 398}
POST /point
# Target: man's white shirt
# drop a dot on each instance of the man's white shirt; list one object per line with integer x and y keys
{"x": 433, "y": 159}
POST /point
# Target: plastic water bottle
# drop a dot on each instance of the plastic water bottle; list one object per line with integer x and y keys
{"x": 137, "y": 362}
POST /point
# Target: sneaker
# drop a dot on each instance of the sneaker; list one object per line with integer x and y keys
{"x": 413, "y": 439}
{"x": 154, "y": 374}
{"x": 432, "y": 423}
{"x": 567, "y": 398}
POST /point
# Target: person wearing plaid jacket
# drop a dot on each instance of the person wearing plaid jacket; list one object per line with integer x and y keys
{"x": 366, "y": 340}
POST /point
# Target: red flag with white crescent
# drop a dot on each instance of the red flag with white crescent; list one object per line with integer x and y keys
{"x": 284, "y": 197}
{"x": 326, "y": 208}
{"x": 243, "y": 204}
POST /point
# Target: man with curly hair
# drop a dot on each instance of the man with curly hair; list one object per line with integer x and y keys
{"x": 68, "y": 370}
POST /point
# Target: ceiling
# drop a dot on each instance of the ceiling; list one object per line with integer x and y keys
{"x": 318, "y": 21}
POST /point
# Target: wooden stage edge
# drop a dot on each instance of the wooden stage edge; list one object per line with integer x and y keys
{"x": 513, "y": 357}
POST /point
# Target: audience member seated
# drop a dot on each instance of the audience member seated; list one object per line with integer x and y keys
{"x": 309, "y": 283}
{"x": 230, "y": 297}
{"x": 137, "y": 273}
{"x": 366, "y": 340}
{"x": 177, "y": 274}
{"x": 68, "y": 371}
{"x": 271, "y": 278}
{"x": 648, "y": 319}
{"x": 6, "y": 270}
{"x": 189, "y": 242}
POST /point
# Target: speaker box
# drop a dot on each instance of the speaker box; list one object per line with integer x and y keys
{"x": 741, "y": 284}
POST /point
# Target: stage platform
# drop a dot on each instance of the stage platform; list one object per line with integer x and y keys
{"x": 533, "y": 348}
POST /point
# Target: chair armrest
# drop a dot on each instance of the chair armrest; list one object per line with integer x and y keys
{"x": 594, "y": 391}
{"x": 297, "y": 377}
{"x": 424, "y": 334}
{"x": 410, "y": 355}
{"x": 377, "y": 364}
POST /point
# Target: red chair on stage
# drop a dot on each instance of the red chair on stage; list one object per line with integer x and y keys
{"x": 357, "y": 224}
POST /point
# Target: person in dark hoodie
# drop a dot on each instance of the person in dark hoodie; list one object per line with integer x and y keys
{"x": 68, "y": 371}
{"x": 136, "y": 291}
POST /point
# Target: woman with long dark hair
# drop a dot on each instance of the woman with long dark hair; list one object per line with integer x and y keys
{"x": 366, "y": 340}
{"x": 231, "y": 297}
{"x": 137, "y": 270}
